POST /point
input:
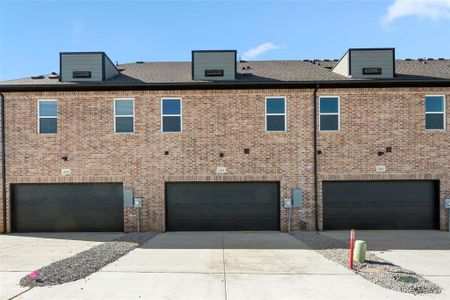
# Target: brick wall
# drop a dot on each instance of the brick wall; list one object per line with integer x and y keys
{"x": 228, "y": 122}
{"x": 373, "y": 119}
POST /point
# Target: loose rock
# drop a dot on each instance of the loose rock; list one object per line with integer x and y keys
{"x": 87, "y": 262}
{"x": 374, "y": 269}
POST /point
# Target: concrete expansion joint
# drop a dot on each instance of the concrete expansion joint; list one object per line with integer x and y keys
{"x": 224, "y": 269}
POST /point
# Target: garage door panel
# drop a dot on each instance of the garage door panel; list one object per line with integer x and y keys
{"x": 68, "y": 207}
{"x": 222, "y": 206}
{"x": 395, "y": 204}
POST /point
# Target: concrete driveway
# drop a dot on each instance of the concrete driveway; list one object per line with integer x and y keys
{"x": 221, "y": 265}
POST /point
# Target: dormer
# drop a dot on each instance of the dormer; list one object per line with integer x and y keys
{"x": 367, "y": 63}
{"x": 214, "y": 65}
{"x": 86, "y": 67}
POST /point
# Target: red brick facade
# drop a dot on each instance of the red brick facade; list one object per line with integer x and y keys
{"x": 227, "y": 121}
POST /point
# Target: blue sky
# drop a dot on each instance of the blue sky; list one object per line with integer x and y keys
{"x": 32, "y": 33}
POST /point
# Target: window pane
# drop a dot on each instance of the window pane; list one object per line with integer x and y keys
{"x": 124, "y": 107}
{"x": 124, "y": 124}
{"x": 275, "y": 106}
{"x": 171, "y": 124}
{"x": 434, "y": 103}
{"x": 48, "y": 108}
{"x": 329, "y": 105}
{"x": 329, "y": 122}
{"x": 48, "y": 125}
{"x": 434, "y": 121}
{"x": 171, "y": 107}
{"x": 275, "y": 123}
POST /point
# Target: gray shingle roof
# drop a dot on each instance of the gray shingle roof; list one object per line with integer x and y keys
{"x": 259, "y": 71}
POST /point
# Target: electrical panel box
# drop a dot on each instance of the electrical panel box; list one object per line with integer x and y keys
{"x": 297, "y": 197}
{"x": 137, "y": 202}
{"x": 128, "y": 197}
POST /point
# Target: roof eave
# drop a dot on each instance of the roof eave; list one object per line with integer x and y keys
{"x": 227, "y": 85}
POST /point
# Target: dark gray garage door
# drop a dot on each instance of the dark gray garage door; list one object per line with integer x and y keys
{"x": 380, "y": 204}
{"x": 67, "y": 207}
{"x": 222, "y": 206}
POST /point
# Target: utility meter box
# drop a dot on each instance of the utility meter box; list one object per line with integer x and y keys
{"x": 447, "y": 202}
{"x": 297, "y": 197}
{"x": 137, "y": 202}
{"x": 287, "y": 203}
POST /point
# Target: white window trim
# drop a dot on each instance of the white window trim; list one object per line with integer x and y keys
{"x": 331, "y": 114}
{"x": 276, "y": 114}
{"x": 178, "y": 115}
{"x": 436, "y": 113}
{"x": 128, "y": 116}
{"x": 46, "y": 117}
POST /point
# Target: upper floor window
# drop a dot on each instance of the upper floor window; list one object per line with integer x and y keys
{"x": 171, "y": 113}
{"x": 329, "y": 113}
{"x": 275, "y": 114}
{"x": 124, "y": 115}
{"x": 435, "y": 112}
{"x": 48, "y": 116}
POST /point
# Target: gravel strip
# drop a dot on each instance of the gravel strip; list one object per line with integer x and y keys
{"x": 87, "y": 262}
{"x": 374, "y": 269}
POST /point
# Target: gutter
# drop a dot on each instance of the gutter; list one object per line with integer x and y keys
{"x": 3, "y": 162}
{"x": 316, "y": 213}
{"x": 223, "y": 85}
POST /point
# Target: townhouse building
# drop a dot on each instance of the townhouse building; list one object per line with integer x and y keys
{"x": 219, "y": 143}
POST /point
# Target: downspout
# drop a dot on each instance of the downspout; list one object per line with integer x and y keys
{"x": 3, "y": 162}
{"x": 315, "y": 157}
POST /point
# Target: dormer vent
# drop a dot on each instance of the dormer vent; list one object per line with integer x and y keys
{"x": 372, "y": 71}
{"x": 367, "y": 63}
{"x": 214, "y": 65}
{"x": 82, "y": 74}
{"x": 86, "y": 66}
{"x": 214, "y": 73}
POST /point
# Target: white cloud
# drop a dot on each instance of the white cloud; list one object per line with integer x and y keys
{"x": 433, "y": 9}
{"x": 77, "y": 25}
{"x": 254, "y": 52}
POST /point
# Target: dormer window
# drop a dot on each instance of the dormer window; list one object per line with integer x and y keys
{"x": 86, "y": 67}
{"x": 214, "y": 73}
{"x": 367, "y": 63}
{"x": 81, "y": 74}
{"x": 214, "y": 65}
{"x": 371, "y": 71}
